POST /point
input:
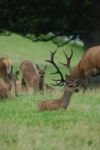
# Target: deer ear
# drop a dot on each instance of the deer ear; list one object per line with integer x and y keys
{"x": 37, "y": 66}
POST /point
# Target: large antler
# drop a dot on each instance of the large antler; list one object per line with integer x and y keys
{"x": 68, "y": 59}
{"x": 61, "y": 81}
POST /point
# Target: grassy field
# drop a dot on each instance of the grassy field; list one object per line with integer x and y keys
{"x": 22, "y": 127}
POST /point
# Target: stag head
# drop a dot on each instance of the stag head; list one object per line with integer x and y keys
{"x": 64, "y": 79}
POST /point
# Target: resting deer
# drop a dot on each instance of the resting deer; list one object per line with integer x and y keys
{"x": 33, "y": 76}
{"x": 5, "y": 68}
{"x": 8, "y": 63}
{"x": 5, "y": 92}
{"x": 8, "y": 89}
{"x": 63, "y": 101}
{"x": 88, "y": 66}
{"x": 58, "y": 103}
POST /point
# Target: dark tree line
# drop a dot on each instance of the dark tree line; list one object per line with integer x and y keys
{"x": 62, "y": 17}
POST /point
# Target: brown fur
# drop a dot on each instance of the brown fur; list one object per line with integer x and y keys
{"x": 5, "y": 68}
{"x": 87, "y": 65}
{"x": 7, "y": 62}
{"x": 20, "y": 88}
{"x": 55, "y": 104}
{"x": 34, "y": 77}
{"x": 4, "y": 90}
{"x": 29, "y": 74}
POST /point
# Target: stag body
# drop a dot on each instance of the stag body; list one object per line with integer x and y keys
{"x": 89, "y": 64}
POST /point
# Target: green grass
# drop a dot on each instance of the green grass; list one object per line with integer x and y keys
{"x": 22, "y": 127}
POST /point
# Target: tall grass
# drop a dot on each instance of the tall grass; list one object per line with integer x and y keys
{"x": 23, "y": 127}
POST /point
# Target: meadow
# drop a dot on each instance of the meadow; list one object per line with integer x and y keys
{"x": 23, "y": 127}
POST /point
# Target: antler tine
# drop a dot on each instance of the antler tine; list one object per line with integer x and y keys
{"x": 65, "y": 55}
{"x": 66, "y": 59}
{"x": 55, "y": 65}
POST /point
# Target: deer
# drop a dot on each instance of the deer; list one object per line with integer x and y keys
{"x": 5, "y": 68}
{"x": 8, "y": 89}
{"x": 4, "y": 90}
{"x": 7, "y": 61}
{"x": 64, "y": 100}
{"x": 33, "y": 76}
{"x": 88, "y": 66}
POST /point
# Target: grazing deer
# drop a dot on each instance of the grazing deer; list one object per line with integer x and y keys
{"x": 33, "y": 76}
{"x": 88, "y": 66}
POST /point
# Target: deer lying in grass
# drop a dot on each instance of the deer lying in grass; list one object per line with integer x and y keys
{"x": 8, "y": 89}
{"x": 33, "y": 76}
{"x": 58, "y": 103}
{"x": 4, "y": 90}
{"x": 6, "y": 73}
{"x": 5, "y": 68}
{"x": 63, "y": 101}
{"x": 79, "y": 76}
{"x": 8, "y": 63}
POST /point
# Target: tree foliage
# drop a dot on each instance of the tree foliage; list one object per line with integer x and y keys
{"x": 64, "y": 17}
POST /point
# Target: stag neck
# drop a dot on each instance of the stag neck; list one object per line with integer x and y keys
{"x": 67, "y": 96}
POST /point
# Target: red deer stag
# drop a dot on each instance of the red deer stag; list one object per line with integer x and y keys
{"x": 64, "y": 101}
{"x": 33, "y": 76}
{"x": 89, "y": 65}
